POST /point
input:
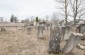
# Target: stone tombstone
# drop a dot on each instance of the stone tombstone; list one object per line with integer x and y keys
{"x": 72, "y": 42}
{"x": 62, "y": 32}
{"x": 83, "y": 38}
{"x": 54, "y": 46}
{"x": 67, "y": 32}
{"x": 29, "y": 28}
{"x": 47, "y": 26}
{"x": 3, "y": 29}
{"x": 82, "y": 28}
{"x": 54, "y": 43}
{"x": 67, "y": 28}
{"x": 55, "y": 39}
{"x": 51, "y": 30}
{"x": 40, "y": 30}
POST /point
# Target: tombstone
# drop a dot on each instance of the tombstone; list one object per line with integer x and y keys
{"x": 54, "y": 43}
{"x": 47, "y": 25}
{"x": 3, "y": 29}
{"x": 67, "y": 28}
{"x": 31, "y": 24}
{"x": 81, "y": 46}
{"x": 81, "y": 28}
{"x": 67, "y": 32}
{"x": 26, "y": 25}
{"x": 29, "y": 28}
{"x": 83, "y": 38}
{"x": 62, "y": 32}
{"x": 40, "y": 29}
{"x": 72, "y": 42}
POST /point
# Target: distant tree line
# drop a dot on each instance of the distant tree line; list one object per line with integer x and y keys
{"x": 13, "y": 19}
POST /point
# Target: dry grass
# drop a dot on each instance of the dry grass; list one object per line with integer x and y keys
{"x": 19, "y": 42}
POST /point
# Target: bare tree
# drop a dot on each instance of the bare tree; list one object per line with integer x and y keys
{"x": 78, "y": 9}
{"x": 64, "y": 7}
{"x": 81, "y": 15}
{"x": 55, "y": 18}
{"x": 66, "y": 11}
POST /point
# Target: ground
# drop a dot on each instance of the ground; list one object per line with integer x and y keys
{"x": 17, "y": 41}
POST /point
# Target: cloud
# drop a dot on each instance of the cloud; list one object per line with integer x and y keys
{"x": 24, "y": 8}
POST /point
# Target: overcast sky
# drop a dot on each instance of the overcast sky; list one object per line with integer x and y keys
{"x": 25, "y": 8}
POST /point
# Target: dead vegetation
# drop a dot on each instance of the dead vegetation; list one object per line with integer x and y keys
{"x": 18, "y": 42}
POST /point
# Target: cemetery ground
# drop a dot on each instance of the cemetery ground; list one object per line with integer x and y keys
{"x": 17, "y": 41}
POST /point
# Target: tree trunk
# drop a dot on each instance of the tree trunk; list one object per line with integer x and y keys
{"x": 74, "y": 20}
{"x": 66, "y": 12}
{"x": 76, "y": 12}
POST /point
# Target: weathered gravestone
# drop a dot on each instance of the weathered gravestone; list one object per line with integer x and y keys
{"x": 3, "y": 29}
{"x": 82, "y": 47}
{"x": 67, "y": 32}
{"x": 81, "y": 29}
{"x": 72, "y": 42}
{"x": 47, "y": 26}
{"x": 83, "y": 38}
{"x": 62, "y": 32}
{"x": 54, "y": 44}
{"x": 29, "y": 28}
{"x": 40, "y": 30}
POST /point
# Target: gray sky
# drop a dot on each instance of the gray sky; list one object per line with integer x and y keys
{"x": 25, "y": 8}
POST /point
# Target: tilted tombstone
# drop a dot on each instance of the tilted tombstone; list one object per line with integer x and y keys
{"x": 72, "y": 42}
{"x": 54, "y": 43}
{"x": 40, "y": 30}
